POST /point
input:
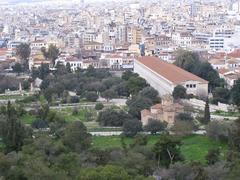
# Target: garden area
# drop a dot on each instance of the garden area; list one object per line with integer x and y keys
{"x": 227, "y": 114}
{"x": 194, "y": 147}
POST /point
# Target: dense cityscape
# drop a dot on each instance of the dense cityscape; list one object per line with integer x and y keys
{"x": 119, "y": 89}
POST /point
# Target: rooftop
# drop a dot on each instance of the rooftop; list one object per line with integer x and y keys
{"x": 169, "y": 71}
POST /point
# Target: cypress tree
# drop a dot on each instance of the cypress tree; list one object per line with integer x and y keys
{"x": 207, "y": 115}
{"x": 14, "y": 131}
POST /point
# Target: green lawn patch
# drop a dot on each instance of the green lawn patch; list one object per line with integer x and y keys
{"x": 227, "y": 114}
{"x": 98, "y": 128}
{"x": 84, "y": 114}
{"x": 1, "y": 146}
{"x": 8, "y": 97}
{"x": 194, "y": 148}
{"x": 27, "y": 118}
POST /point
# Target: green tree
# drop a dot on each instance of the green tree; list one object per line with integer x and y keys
{"x": 235, "y": 93}
{"x": 221, "y": 94}
{"x": 183, "y": 128}
{"x": 122, "y": 89}
{"x": 155, "y": 126}
{"x": 218, "y": 130}
{"x": 206, "y": 71}
{"x": 24, "y": 51}
{"x": 190, "y": 61}
{"x": 91, "y": 72}
{"x": 76, "y": 137}
{"x": 14, "y": 132}
{"x": 44, "y": 52}
{"x": 108, "y": 172}
{"x": 179, "y": 92}
{"x": 234, "y": 139}
{"x": 53, "y": 53}
{"x": 140, "y": 140}
{"x": 111, "y": 81}
{"x": 17, "y": 68}
{"x": 167, "y": 150}
{"x": 128, "y": 74}
{"x": 150, "y": 93}
{"x": 91, "y": 96}
{"x": 111, "y": 117}
{"x": 187, "y": 60}
{"x": 131, "y": 127}
{"x": 184, "y": 117}
{"x": 213, "y": 156}
{"x": 137, "y": 104}
{"x": 207, "y": 115}
{"x": 99, "y": 106}
{"x": 109, "y": 94}
{"x": 135, "y": 84}
{"x": 5, "y": 165}
{"x": 42, "y": 72}
{"x": 68, "y": 67}
{"x": 61, "y": 69}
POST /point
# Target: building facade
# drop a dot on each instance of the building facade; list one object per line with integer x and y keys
{"x": 164, "y": 77}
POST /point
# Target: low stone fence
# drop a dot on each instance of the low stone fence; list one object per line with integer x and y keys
{"x": 200, "y": 104}
{"x": 112, "y": 133}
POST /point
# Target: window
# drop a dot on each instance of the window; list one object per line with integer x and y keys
{"x": 194, "y": 85}
{"x": 187, "y": 85}
{"x": 190, "y": 85}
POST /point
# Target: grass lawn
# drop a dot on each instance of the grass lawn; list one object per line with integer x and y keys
{"x": 27, "y": 119}
{"x": 8, "y": 97}
{"x": 1, "y": 146}
{"x": 194, "y": 148}
{"x": 82, "y": 115}
{"x": 227, "y": 114}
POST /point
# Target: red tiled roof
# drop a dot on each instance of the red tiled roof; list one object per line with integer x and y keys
{"x": 235, "y": 54}
{"x": 3, "y": 51}
{"x": 169, "y": 71}
{"x": 156, "y": 106}
{"x": 222, "y": 70}
{"x": 113, "y": 56}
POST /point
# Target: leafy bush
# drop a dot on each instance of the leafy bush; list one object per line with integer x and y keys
{"x": 74, "y": 99}
{"x": 99, "y": 106}
{"x": 111, "y": 117}
{"x": 131, "y": 127}
{"x": 218, "y": 130}
{"x": 91, "y": 96}
{"x": 155, "y": 126}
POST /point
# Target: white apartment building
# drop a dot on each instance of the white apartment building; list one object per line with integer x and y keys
{"x": 216, "y": 43}
{"x": 89, "y": 36}
{"x": 38, "y": 44}
{"x": 117, "y": 61}
{"x": 182, "y": 39}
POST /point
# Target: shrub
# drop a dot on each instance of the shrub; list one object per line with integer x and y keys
{"x": 40, "y": 124}
{"x": 131, "y": 127}
{"x": 179, "y": 92}
{"x": 155, "y": 126}
{"x": 99, "y": 106}
{"x": 74, "y": 99}
{"x": 75, "y": 111}
{"x": 111, "y": 117}
{"x": 218, "y": 130}
{"x": 91, "y": 96}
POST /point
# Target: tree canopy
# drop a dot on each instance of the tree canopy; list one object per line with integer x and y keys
{"x": 179, "y": 92}
{"x": 235, "y": 93}
{"x": 190, "y": 61}
{"x": 24, "y": 51}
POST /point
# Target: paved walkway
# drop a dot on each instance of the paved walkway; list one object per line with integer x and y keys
{"x": 111, "y": 133}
